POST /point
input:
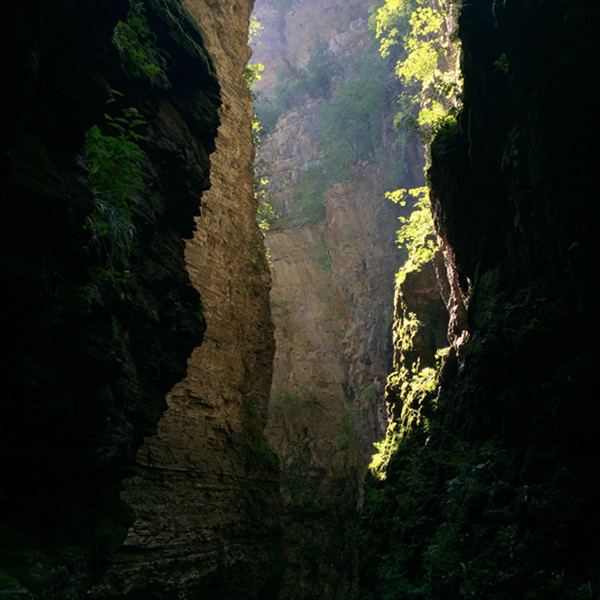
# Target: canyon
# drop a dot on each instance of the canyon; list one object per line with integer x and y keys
{"x": 107, "y": 495}
{"x": 333, "y": 254}
{"x": 191, "y": 395}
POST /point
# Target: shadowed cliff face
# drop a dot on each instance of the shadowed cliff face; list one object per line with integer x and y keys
{"x": 496, "y": 495}
{"x": 99, "y": 314}
{"x": 206, "y": 492}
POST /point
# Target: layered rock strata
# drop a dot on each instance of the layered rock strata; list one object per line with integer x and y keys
{"x": 102, "y": 315}
{"x": 333, "y": 255}
{"x": 205, "y": 493}
{"x": 99, "y": 314}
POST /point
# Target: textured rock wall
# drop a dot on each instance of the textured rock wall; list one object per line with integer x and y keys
{"x": 90, "y": 350}
{"x": 96, "y": 344}
{"x": 205, "y": 493}
{"x": 496, "y": 495}
{"x": 332, "y": 298}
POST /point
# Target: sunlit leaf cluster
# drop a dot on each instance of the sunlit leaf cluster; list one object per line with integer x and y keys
{"x": 419, "y": 33}
{"x": 390, "y": 21}
{"x": 416, "y": 233}
{"x": 253, "y": 73}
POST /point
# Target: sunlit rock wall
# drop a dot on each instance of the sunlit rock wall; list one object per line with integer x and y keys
{"x": 205, "y": 492}
{"x": 332, "y": 299}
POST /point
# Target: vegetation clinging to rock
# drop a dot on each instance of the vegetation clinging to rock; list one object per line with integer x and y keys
{"x": 493, "y": 498}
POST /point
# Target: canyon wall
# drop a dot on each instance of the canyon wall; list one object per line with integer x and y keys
{"x": 134, "y": 271}
{"x": 331, "y": 242}
{"x": 205, "y": 493}
{"x": 107, "y": 127}
{"x": 491, "y": 489}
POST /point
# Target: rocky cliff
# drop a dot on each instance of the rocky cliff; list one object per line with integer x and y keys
{"x": 493, "y": 491}
{"x": 205, "y": 493}
{"x": 108, "y": 122}
{"x": 333, "y": 257}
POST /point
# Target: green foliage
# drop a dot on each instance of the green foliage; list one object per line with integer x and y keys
{"x": 390, "y": 22}
{"x": 351, "y": 124}
{"x": 416, "y": 233}
{"x": 114, "y": 175}
{"x": 266, "y": 213}
{"x": 385, "y": 449}
{"x": 136, "y": 44}
{"x": 253, "y": 74}
{"x": 462, "y": 513}
{"x": 421, "y": 50}
{"x": 459, "y": 521}
{"x": 426, "y": 53}
{"x": 446, "y": 132}
{"x": 323, "y": 257}
{"x": 301, "y": 396}
{"x": 347, "y": 425}
{"x": 411, "y": 392}
{"x": 310, "y": 209}
{"x": 257, "y": 131}
{"x": 502, "y": 63}
{"x": 320, "y": 70}
{"x": 294, "y": 86}
{"x": 286, "y": 93}
{"x": 416, "y": 393}
{"x": 254, "y": 28}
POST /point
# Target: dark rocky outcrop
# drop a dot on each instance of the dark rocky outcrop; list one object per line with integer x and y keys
{"x": 90, "y": 350}
{"x": 496, "y": 495}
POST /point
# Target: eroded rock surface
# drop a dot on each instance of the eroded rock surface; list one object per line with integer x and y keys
{"x": 333, "y": 255}
{"x": 99, "y": 314}
{"x": 205, "y": 492}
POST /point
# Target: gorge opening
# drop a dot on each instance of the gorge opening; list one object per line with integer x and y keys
{"x": 180, "y": 419}
{"x": 337, "y": 176}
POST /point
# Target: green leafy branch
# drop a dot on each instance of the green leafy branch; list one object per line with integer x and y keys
{"x": 416, "y": 234}
{"x": 427, "y": 65}
{"x": 253, "y": 73}
{"x": 114, "y": 175}
{"x": 137, "y": 46}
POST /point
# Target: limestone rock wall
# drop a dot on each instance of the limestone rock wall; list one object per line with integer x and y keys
{"x": 105, "y": 302}
{"x": 333, "y": 263}
{"x": 205, "y": 493}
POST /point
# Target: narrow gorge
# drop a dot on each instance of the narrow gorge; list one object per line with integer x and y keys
{"x": 300, "y": 300}
{"x": 328, "y": 153}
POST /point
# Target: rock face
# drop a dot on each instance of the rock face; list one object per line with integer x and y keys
{"x": 99, "y": 312}
{"x": 333, "y": 258}
{"x": 494, "y": 495}
{"x": 106, "y": 303}
{"x": 206, "y": 489}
